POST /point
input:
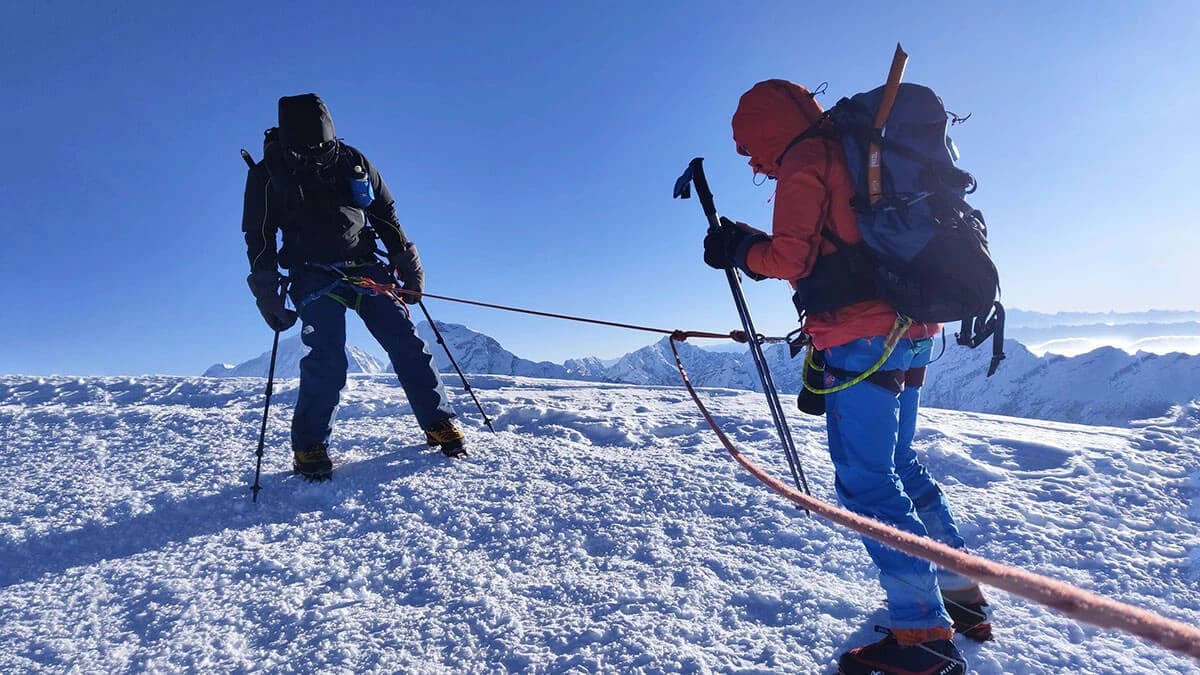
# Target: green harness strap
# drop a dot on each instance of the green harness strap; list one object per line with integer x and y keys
{"x": 898, "y": 330}
{"x": 353, "y": 281}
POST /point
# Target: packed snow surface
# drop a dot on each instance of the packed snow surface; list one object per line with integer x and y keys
{"x": 601, "y": 529}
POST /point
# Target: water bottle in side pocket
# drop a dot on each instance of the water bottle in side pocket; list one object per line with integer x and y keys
{"x": 360, "y": 188}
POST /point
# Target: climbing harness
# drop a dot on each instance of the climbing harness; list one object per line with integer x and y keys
{"x": 893, "y": 338}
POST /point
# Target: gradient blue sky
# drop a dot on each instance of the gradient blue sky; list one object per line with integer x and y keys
{"x": 532, "y": 147}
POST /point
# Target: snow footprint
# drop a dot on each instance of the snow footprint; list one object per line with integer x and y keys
{"x": 1029, "y": 456}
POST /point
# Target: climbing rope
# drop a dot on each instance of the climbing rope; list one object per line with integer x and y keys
{"x": 1070, "y": 600}
{"x": 1065, "y": 598}
{"x": 395, "y": 291}
{"x": 735, "y": 335}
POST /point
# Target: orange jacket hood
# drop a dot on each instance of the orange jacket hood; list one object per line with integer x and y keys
{"x": 768, "y": 117}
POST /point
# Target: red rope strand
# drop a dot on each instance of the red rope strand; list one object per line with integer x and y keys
{"x": 735, "y": 335}
{"x": 1070, "y": 600}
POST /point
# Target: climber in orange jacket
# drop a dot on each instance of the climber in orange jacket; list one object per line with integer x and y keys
{"x": 870, "y": 425}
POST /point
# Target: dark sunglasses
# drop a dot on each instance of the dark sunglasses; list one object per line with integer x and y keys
{"x": 314, "y": 150}
{"x": 315, "y": 155}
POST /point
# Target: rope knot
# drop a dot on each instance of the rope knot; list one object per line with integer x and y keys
{"x": 679, "y": 335}
{"x": 739, "y": 336}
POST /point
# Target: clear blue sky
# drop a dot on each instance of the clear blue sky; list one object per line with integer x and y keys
{"x": 532, "y": 147}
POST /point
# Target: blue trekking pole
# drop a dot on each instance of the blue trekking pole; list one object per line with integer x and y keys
{"x": 694, "y": 174}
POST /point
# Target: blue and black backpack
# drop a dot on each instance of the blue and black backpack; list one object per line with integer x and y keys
{"x": 924, "y": 247}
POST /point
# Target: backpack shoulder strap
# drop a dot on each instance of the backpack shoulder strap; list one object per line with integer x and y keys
{"x": 822, "y": 128}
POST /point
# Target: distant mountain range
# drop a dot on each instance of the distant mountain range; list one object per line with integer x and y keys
{"x": 479, "y": 353}
{"x": 1105, "y": 386}
{"x": 1020, "y": 318}
{"x": 1173, "y": 332}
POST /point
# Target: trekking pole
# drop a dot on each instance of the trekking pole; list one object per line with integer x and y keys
{"x": 441, "y": 341}
{"x": 466, "y": 385}
{"x": 694, "y": 174}
{"x": 262, "y": 433}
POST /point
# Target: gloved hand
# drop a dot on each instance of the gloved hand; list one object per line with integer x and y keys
{"x": 726, "y": 246}
{"x": 406, "y": 267}
{"x": 264, "y": 284}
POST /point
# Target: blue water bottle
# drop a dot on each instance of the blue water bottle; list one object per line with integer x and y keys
{"x": 360, "y": 188}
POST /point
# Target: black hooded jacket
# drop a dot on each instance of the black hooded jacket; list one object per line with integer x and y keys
{"x": 311, "y": 204}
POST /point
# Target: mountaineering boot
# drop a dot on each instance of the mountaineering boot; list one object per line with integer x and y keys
{"x": 970, "y": 613}
{"x": 313, "y": 462}
{"x": 889, "y": 657}
{"x": 448, "y": 436}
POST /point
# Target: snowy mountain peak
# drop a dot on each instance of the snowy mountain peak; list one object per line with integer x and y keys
{"x": 479, "y": 353}
{"x": 287, "y": 362}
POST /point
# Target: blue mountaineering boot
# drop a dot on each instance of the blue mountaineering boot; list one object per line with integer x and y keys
{"x": 889, "y": 657}
{"x": 447, "y": 436}
{"x": 313, "y": 462}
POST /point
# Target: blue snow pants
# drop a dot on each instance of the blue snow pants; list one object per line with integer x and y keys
{"x": 871, "y": 432}
{"x": 322, "y": 301}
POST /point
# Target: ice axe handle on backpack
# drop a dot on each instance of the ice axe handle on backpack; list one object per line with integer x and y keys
{"x": 874, "y": 151}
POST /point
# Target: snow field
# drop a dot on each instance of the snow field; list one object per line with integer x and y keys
{"x": 602, "y": 529}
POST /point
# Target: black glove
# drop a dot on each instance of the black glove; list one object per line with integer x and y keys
{"x": 265, "y": 285}
{"x": 726, "y": 246}
{"x": 406, "y": 266}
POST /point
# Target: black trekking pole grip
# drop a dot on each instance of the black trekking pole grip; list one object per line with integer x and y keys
{"x": 694, "y": 174}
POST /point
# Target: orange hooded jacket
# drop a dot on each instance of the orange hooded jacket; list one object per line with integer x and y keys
{"x": 813, "y": 190}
